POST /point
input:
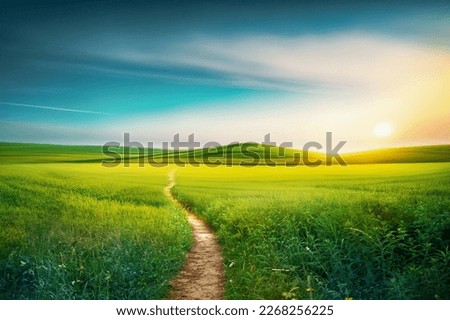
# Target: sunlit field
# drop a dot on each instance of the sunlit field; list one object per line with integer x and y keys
{"x": 83, "y": 231}
{"x": 80, "y": 231}
{"x": 359, "y": 232}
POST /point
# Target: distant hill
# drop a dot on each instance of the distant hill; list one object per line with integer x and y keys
{"x": 436, "y": 153}
{"x": 50, "y": 153}
{"x": 249, "y": 153}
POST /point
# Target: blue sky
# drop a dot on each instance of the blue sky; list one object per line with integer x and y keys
{"x": 86, "y": 72}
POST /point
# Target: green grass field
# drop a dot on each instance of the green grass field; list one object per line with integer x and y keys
{"x": 361, "y": 232}
{"x": 81, "y": 231}
{"x": 76, "y": 230}
{"x": 249, "y": 154}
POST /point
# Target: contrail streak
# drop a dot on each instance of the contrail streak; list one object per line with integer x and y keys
{"x": 52, "y": 108}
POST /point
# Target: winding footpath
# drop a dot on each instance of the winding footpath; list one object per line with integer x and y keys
{"x": 202, "y": 276}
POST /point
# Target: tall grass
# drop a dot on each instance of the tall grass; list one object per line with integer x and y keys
{"x": 80, "y": 231}
{"x": 360, "y": 232}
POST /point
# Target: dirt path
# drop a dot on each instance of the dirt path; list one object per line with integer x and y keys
{"x": 202, "y": 275}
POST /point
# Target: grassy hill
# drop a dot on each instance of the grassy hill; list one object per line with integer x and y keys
{"x": 42, "y": 153}
{"x": 249, "y": 153}
{"x": 51, "y": 153}
{"x": 437, "y": 153}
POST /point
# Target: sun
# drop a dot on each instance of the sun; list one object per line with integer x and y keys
{"x": 382, "y": 130}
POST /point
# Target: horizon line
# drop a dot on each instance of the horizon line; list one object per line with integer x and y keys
{"x": 225, "y": 145}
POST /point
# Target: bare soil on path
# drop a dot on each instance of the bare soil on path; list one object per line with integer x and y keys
{"x": 202, "y": 276}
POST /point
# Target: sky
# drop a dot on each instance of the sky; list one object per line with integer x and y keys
{"x": 86, "y": 72}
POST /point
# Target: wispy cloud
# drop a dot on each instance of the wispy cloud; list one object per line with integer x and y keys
{"x": 52, "y": 108}
{"x": 333, "y": 61}
{"x": 356, "y": 80}
{"x": 312, "y": 63}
